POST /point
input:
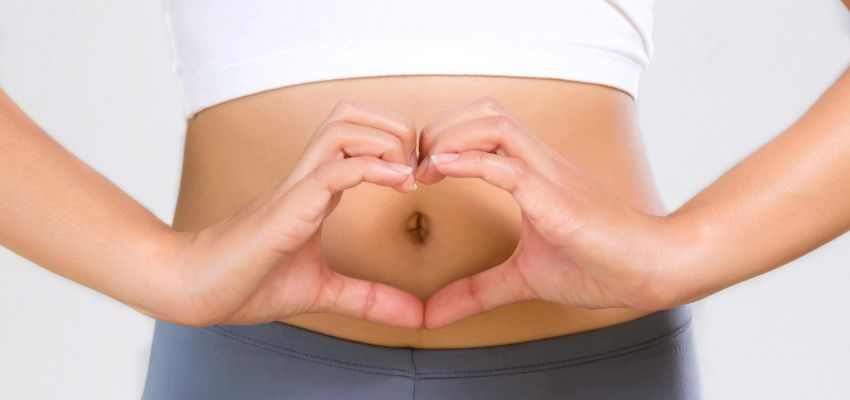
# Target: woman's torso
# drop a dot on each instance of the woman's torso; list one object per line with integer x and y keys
{"x": 237, "y": 148}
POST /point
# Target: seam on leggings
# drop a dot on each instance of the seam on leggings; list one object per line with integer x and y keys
{"x": 517, "y": 369}
{"x": 283, "y": 350}
{"x": 549, "y": 365}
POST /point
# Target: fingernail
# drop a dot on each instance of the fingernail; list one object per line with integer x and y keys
{"x": 444, "y": 157}
{"x": 400, "y": 168}
{"x": 413, "y": 186}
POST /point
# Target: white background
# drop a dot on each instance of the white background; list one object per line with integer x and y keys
{"x": 727, "y": 76}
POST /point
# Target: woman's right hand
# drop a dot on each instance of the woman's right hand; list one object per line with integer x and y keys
{"x": 263, "y": 263}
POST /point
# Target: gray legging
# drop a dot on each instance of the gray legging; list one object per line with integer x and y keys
{"x": 649, "y": 358}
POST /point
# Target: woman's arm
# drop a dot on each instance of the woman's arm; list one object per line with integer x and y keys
{"x": 61, "y": 214}
{"x": 786, "y": 199}
{"x": 260, "y": 264}
{"x": 582, "y": 245}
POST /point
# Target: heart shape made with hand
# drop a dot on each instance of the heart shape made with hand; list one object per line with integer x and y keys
{"x": 580, "y": 244}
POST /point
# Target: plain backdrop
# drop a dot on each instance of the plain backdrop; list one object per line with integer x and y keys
{"x": 727, "y": 76}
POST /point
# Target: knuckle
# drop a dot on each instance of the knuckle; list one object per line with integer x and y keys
{"x": 321, "y": 172}
{"x": 371, "y": 296}
{"x": 369, "y": 163}
{"x": 391, "y": 143}
{"x": 504, "y": 124}
{"x": 358, "y": 165}
{"x": 407, "y": 124}
{"x": 491, "y": 105}
{"x": 344, "y": 105}
{"x": 363, "y": 163}
{"x": 332, "y": 294}
{"x": 479, "y": 157}
{"x": 518, "y": 174}
{"x": 334, "y": 129}
{"x": 518, "y": 168}
{"x": 319, "y": 302}
{"x": 473, "y": 287}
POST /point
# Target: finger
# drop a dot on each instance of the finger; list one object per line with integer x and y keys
{"x": 553, "y": 211}
{"x": 298, "y": 213}
{"x": 513, "y": 137}
{"x": 345, "y": 114}
{"x": 342, "y": 139}
{"x": 361, "y": 113}
{"x": 368, "y": 300}
{"x": 479, "y": 107}
{"x": 499, "y": 134}
{"x": 495, "y": 287}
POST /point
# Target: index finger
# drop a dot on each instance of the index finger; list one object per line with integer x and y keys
{"x": 483, "y": 124}
{"x": 354, "y": 114}
{"x": 478, "y": 107}
{"x": 362, "y": 113}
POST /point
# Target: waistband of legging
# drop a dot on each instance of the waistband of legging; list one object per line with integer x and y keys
{"x": 576, "y": 348}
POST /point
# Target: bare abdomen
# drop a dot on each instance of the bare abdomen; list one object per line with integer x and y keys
{"x": 422, "y": 240}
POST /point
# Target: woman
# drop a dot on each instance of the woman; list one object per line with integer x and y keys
{"x": 575, "y": 147}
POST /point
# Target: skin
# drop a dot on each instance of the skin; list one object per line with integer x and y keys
{"x": 578, "y": 242}
{"x": 581, "y": 245}
{"x": 791, "y": 187}
{"x": 261, "y": 264}
{"x": 191, "y": 274}
{"x": 417, "y": 241}
{"x": 580, "y": 234}
{"x": 278, "y": 271}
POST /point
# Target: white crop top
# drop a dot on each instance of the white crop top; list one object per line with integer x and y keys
{"x": 224, "y": 49}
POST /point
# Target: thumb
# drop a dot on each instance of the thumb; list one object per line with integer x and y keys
{"x": 368, "y": 300}
{"x": 498, "y": 286}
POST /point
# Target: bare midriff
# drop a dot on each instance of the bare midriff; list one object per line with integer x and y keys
{"x": 422, "y": 240}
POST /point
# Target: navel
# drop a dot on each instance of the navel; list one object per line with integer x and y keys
{"x": 417, "y": 226}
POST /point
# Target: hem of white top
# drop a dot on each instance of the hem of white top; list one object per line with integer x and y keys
{"x": 304, "y": 65}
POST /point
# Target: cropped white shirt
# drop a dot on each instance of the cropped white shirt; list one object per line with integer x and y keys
{"x": 224, "y": 49}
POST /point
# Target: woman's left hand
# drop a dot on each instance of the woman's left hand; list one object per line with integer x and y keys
{"x": 580, "y": 243}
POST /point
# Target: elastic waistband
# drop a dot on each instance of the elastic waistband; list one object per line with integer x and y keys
{"x": 537, "y": 354}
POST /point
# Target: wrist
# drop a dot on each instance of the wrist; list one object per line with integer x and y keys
{"x": 161, "y": 294}
{"x": 681, "y": 267}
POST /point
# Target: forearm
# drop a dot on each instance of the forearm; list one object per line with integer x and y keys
{"x": 787, "y": 198}
{"x": 61, "y": 214}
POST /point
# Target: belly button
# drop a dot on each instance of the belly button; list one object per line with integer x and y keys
{"x": 417, "y": 227}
